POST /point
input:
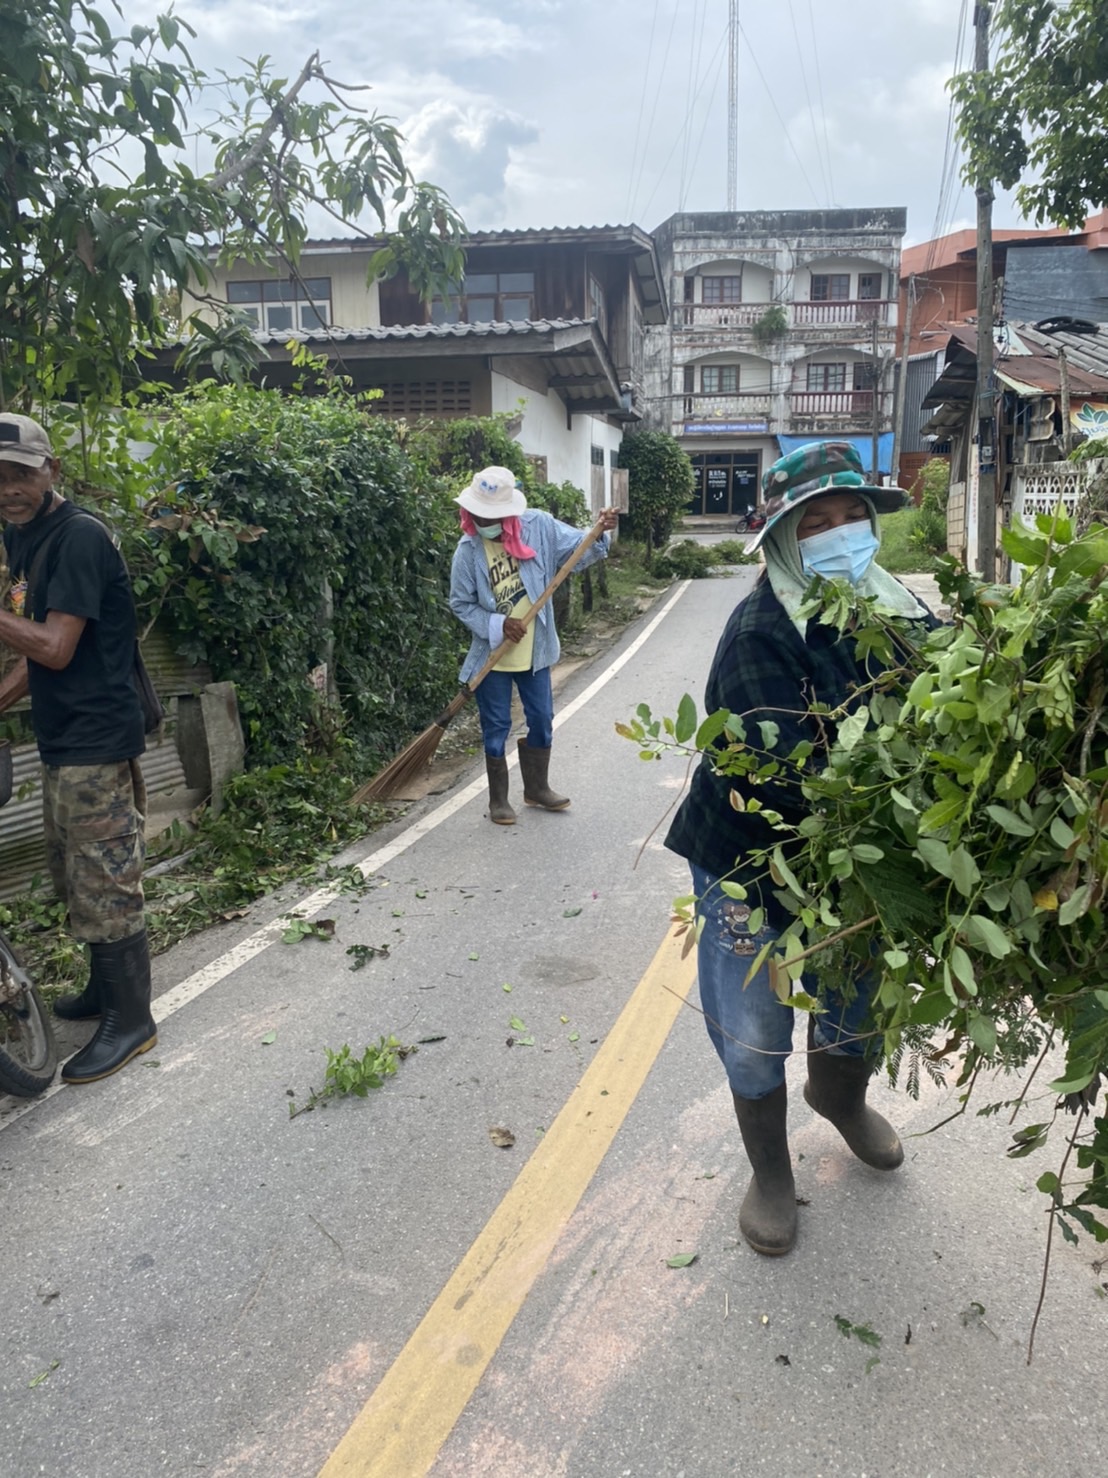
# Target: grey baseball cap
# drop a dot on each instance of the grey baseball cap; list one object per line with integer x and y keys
{"x": 23, "y": 440}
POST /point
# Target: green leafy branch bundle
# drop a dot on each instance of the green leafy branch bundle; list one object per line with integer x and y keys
{"x": 956, "y": 835}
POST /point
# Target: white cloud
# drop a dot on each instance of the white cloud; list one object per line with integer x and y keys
{"x": 468, "y": 149}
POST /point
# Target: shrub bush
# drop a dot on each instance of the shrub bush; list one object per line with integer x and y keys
{"x": 291, "y": 530}
{"x": 660, "y": 484}
{"x": 686, "y": 561}
{"x": 928, "y": 534}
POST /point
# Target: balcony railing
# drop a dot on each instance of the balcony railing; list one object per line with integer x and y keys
{"x": 862, "y": 310}
{"x": 851, "y": 404}
{"x": 696, "y": 406}
{"x": 799, "y": 315}
{"x": 720, "y": 315}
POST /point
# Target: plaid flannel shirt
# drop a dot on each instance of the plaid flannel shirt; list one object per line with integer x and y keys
{"x": 763, "y": 669}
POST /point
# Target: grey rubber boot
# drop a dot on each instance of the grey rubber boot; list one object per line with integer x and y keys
{"x": 836, "y": 1089}
{"x": 767, "y": 1217}
{"x": 499, "y": 809}
{"x": 534, "y": 765}
{"x": 85, "y": 1004}
{"x": 126, "y": 1026}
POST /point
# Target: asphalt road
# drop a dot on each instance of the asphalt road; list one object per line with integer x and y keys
{"x": 196, "y": 1283}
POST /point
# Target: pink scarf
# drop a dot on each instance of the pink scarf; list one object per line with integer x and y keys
{"x": 511, "y": 534}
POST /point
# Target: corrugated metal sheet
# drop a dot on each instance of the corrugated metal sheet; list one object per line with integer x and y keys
{"x": 923, "y": 371}
{"x": 22, "y": 849}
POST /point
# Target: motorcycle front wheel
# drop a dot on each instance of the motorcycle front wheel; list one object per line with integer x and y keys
{"x": 28, "y": 1052}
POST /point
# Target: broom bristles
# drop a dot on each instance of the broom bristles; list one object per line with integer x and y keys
{"x": 404, "y": 768}
{"x": 409, "y": 762}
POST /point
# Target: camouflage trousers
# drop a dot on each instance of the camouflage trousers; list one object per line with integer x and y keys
{"x": 94, "y": 817}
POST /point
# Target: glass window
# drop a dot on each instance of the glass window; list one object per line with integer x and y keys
{"x": 517, "y": 282}
{"x": 719, "y": 379}
{"x": 242, "y": 292}
{"x": 515, "y": 310}
{"x": 314, "y": 315}
{"x": 723, "y": 289}
{"x": 827, "y": 377}
{"x": 484, "y": 282}
{"x": 869, "y": 286}
{"x": 278, "y": 318}
{"x": 830, "y": 287}
{"x": 480, "y": 310}
{"x": 597, "y": 456}
{"x": 316, "y": 287}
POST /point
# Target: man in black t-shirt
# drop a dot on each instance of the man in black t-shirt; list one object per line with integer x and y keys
{"x": 72, "y": 624}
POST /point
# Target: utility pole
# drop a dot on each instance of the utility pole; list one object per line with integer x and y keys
{"x": 986, "y": 384}
{"x": 1064, "y": 387}
{"x": 902, "y": 381}
{"x": 733, "y": 106}
{"x": 876, "y": 377}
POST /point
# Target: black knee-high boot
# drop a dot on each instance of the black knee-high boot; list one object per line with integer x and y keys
{"x": 126, "y": 1025}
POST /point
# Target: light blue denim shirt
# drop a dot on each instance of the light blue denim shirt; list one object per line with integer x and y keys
{"x": 471, "y": 597}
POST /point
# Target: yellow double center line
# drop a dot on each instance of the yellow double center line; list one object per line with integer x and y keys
{"x": 403, "y": 1425}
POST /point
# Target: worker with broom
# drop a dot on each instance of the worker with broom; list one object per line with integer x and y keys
{"x": 506, "y": 558}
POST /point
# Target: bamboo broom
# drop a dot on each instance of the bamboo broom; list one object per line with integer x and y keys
{"x": 419, "y": 754}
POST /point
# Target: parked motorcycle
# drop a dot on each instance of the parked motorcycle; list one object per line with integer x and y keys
{"x": 28, "y": 1052}
{"x": 750, "y": 521}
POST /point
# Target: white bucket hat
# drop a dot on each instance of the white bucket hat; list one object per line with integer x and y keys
{"x": 493, "y": 493}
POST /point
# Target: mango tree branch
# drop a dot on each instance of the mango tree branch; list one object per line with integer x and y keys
{"x": 242, "y": 162}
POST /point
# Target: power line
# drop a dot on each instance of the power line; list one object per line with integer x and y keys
{"x": 807, "y": 92}
{"x": 642, "y": 105}
{"x": 944, "y": 210}
{"x": 694, "y": 72}
{"x": 681, "y": 131}
{"x": 711, "y": 100}
{"x": 822, "y": 108}
{"x": 777, "y": 111}
{"x": 654, "y": 110}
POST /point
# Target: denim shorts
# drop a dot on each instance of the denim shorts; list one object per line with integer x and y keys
{"x": 749, "y": 1026}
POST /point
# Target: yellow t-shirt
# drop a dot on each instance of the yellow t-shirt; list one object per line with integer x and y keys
{"x": 511, "y": 600}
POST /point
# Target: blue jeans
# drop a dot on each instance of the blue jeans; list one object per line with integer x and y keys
{"x": 751, "y": 1029}
{"x": 494, "y": 702}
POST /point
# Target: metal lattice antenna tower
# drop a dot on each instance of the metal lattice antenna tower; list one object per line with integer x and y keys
{"x": 733, "y": 105}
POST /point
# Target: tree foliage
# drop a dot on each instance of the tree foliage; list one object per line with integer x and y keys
{"x": 956, "y": 837}
{"x": 281, "y": 532}
{"x": 659, "y": 485}
{"x": 102, "y": 220}
{"x": 1042, "y": 110}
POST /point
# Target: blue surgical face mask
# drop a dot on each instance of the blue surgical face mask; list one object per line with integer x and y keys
{"x": 490, "y": 530}
{"x": 843, "y": 553}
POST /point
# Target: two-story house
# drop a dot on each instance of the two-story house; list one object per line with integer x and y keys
{"x": 547, "y": 326}
{"x": 781, "y": 330}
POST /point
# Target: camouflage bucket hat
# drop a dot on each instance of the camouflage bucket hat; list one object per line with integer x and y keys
{"x": 810, "y": 472}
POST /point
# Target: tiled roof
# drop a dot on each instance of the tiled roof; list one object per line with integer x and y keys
{"x": 394, "y": 333}
{"x": 504, "y": 233}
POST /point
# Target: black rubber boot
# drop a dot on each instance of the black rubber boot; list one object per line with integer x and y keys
{"x": 126, "y": 1026}
{"x": 86, "y": 1004}
{"x": 767, "y": 1218}
{"x": 534, "y": 766}
{"x": 499, "y": 809}
{"x": 836, "y": 1089}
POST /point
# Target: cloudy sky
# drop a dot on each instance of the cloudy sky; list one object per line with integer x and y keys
{"x": 568, "y": 112}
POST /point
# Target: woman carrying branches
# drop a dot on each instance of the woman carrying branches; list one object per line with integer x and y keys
{"x": 771, "y": 666}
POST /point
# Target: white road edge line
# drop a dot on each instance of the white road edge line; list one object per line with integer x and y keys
{"x": 247, "y": 949}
